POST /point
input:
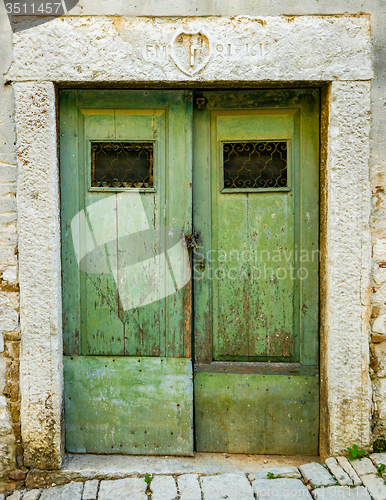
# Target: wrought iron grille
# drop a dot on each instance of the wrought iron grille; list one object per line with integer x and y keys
{"x": 251, "y": 165}
{"x": 122, "y": 164}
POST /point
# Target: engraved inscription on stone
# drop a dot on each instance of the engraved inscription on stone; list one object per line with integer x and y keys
{"x": 191, "y": 52}
{"x": 243, "y": 49}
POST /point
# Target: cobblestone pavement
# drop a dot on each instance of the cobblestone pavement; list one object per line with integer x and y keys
{"x": 337, "y": 479}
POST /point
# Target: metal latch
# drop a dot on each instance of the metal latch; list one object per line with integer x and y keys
{"x": 191, "y": 240}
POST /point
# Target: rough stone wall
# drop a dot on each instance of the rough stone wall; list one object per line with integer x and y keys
{"x": 378, "y": 227}
{"x": 378, "y": 315}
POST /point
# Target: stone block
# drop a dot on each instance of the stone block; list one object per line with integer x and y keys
{"x": 379, "y": 396}
{"x": 164, "y": 488}
{"x": 346, "y": 465}
{"x": 39, "y": 246}
{"x": 18, "y": 475}
{"x": 8, "y": 203}
{"x": 277, "y": 471}
{"x": 90, "y": 491}
{"x": 343, "y": 492}
{"x": 379, "y": 355}
{"x": 7, "y": 217}
{"x": 323, "y": 58}
{"x": 122, "y": 489}
{"x": 280, "y": 489}
{"x": 10, "y": 275}
{"x": 69, "y": 491}
{"x": 13, "y": 371}
{"x": 9, "y": 319}
{"x": 16, "y": 495}
{"x": 189, "y": 487}
{"x": 12, "y": 336}
{"x": 32, "y": 495}
{"x": 342, "y": 477}
{"x": 231, "y": 486}
{"x": 8, "y": 173}
{"x": 317, "y": 475}
{"x": 375, "y": 485}
{"x": 379, "y": 325}
{"x": 363, "y": 466}
{"x": 378, "y": 458}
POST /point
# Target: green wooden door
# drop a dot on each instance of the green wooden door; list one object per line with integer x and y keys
{"x": 129, "y": 335}
{"x": 125, "y": 204}
{"x": 255, "y": 199}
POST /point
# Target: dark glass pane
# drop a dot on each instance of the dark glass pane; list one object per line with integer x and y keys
{"x": 255, "y": 165}
{"x": 122, "y": 164}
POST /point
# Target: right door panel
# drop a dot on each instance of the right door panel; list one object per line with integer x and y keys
{"x": 256, "y": 192}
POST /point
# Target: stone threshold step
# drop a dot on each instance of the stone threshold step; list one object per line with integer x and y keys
{"x": 86, "y": 467}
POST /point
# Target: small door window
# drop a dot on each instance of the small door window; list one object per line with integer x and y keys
{"x": 122, "y": 164}
{"x": 256, "y": 165}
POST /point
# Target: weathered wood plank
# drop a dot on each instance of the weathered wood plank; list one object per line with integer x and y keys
{"x": 128, "y": 405}
{"x": 141, "y": 290}
{"x": 69, "y": 191}
{"x": 245, "y": 413}
{"x": 102, "y": 329}
{"x": 178, "y": 205}
{"x": 259, "y": 368}
{"x": 202, "y": 218}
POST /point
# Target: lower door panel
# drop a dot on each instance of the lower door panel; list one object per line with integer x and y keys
{"x": 262, "y": 414}
{"x": 131, "y": 405}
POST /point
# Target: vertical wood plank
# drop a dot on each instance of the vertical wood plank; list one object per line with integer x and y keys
{"x": 69, "y": 191}
{"x": 102, "y": 329}
{"x": 178, "y": 205}
{"x": 202, "y": 220}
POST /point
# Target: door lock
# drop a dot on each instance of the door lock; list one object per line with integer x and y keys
{"x": 191, "y": 240}
{"x": 201, "y": 101}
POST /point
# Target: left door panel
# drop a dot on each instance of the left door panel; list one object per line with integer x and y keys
{"x": 126, "y": 271}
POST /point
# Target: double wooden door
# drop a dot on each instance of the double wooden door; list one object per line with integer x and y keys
{"x": 190, "y": 270}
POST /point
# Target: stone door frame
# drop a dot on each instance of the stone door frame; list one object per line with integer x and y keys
{"x": 146, "y": 52}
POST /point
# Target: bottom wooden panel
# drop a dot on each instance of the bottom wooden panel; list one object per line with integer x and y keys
{"x": 250, "y": 413}
{"x": 132, "y": 405}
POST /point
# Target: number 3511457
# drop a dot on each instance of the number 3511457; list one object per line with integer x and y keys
{"x": 34, "y": 8}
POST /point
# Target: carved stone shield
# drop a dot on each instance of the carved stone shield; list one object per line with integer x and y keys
{"x": 190, "y": 51}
